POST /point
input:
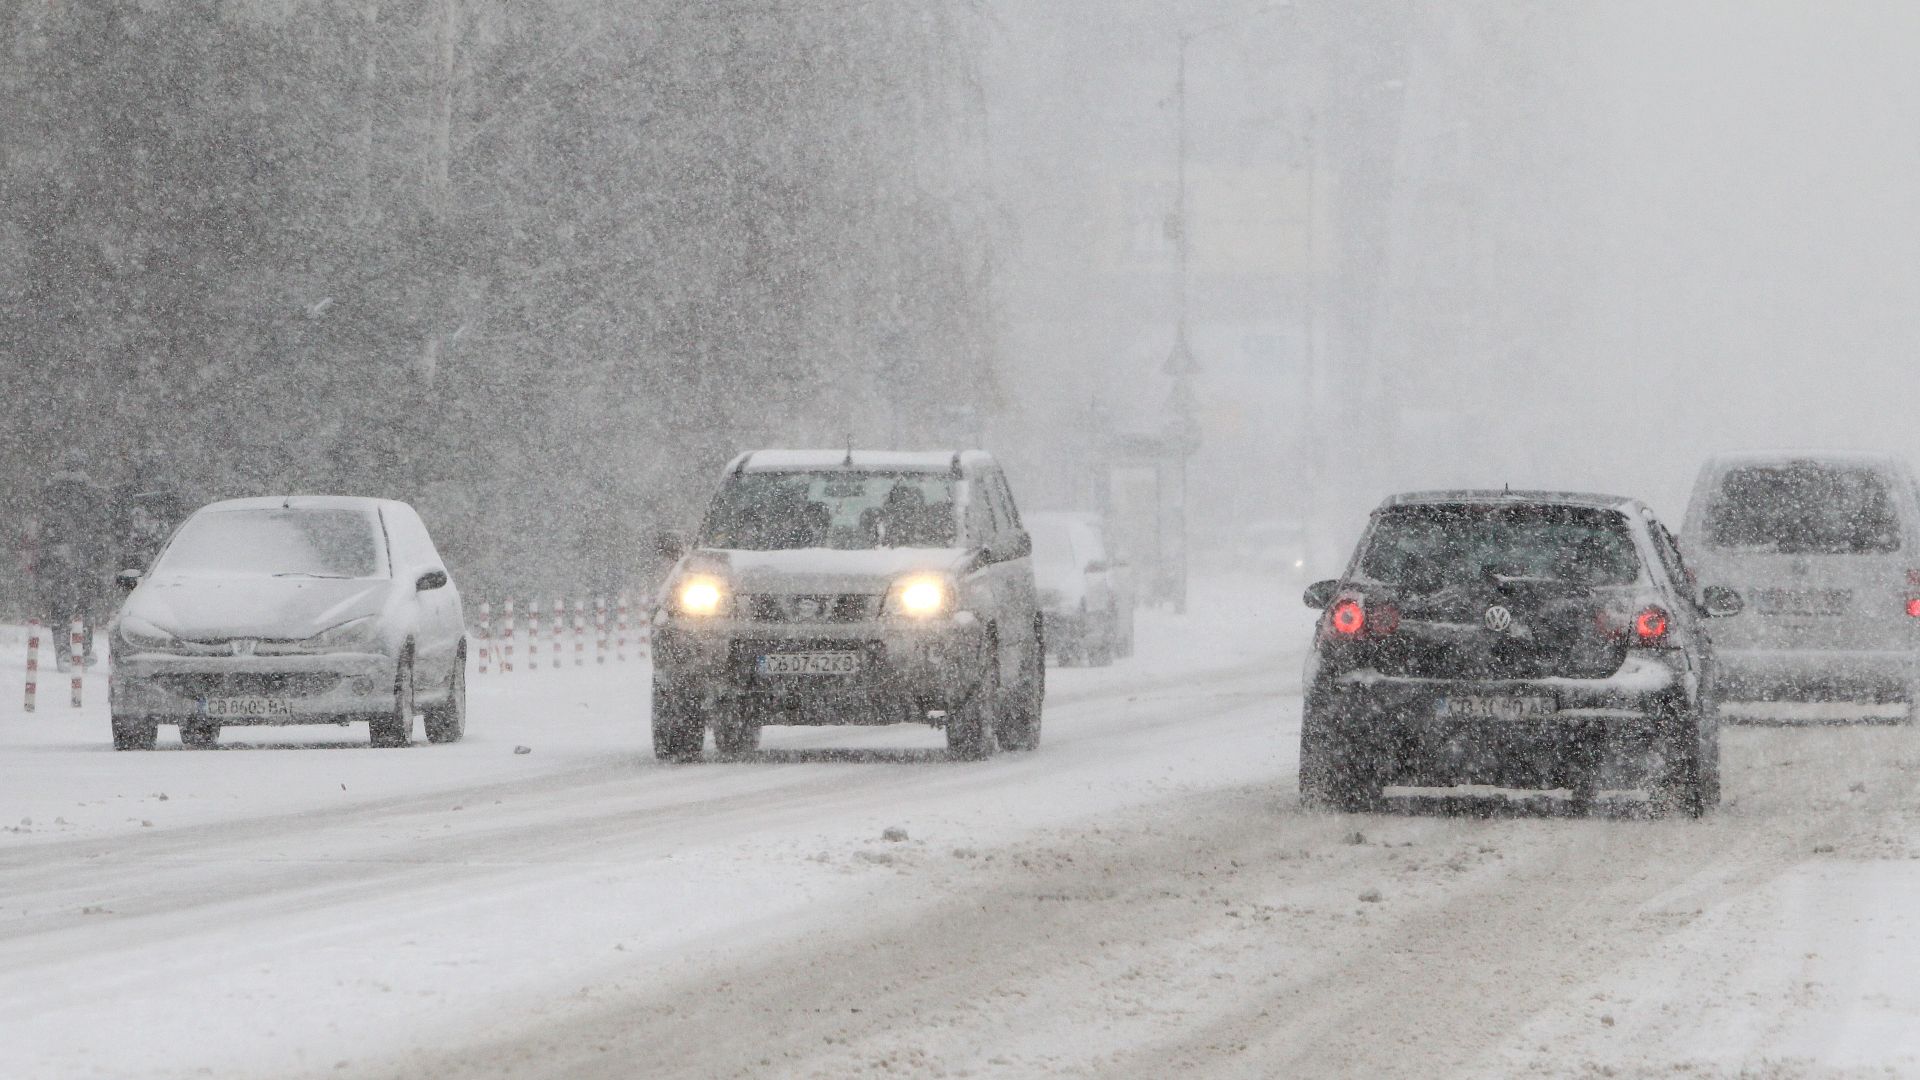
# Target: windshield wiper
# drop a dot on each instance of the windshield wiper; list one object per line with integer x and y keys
{"x": 304, "y": 573}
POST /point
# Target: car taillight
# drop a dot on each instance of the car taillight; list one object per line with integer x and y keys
{"x": 1650, "y": 626}
{"x": 1347, "y": 618}
{"x": 1913, "y": 606}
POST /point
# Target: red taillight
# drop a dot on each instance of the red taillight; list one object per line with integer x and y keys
{"x": 1347, "y": 618}
{"x": 1913, "y": 607}
{"x": 1386, "y": 619}
{"x": 1650, "y": 626}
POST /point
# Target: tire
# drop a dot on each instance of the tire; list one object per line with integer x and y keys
{"x": 1688, "y": 782}
{"x": 134, "y": 732}
{"x": 970, "y": 728}
{"x": 1101, "y": 643}
{"x": 678, "y": 734}
{"x": 1332, "y": 775}
{"x": 733, "y": 735}
{"x": 199, "y": 734}
{"x": 1018, "y": 726}
{"x": 447, "y": 721}
{"x": 394, "y": 729}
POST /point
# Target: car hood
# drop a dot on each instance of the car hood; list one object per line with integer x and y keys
{"x": 823, "y": 570}
{"x": 287, "y": 609}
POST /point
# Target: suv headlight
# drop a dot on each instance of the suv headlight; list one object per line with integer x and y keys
{"x": 140, "y": 634}
{"x": 700, "y": 596}
{"x": 350, "y": 634}
{"x": 921, "y": 596}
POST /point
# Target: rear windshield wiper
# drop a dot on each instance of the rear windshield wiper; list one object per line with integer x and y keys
{"x": 303, "y": 573}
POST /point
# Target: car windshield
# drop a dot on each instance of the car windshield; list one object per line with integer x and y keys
{"x": 778, "y": 511}
{"x": 1424, "y": 547}
{"x": 278, "y": 541}
{"x": 1803, "y": 508}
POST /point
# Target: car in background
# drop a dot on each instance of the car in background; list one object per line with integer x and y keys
{"x": 1086, "y": 601}
{"x": 1513, "y": 639}
{"x": 1826, "y": 549}
{"x": 290, "y": 610}
{"x": 835, "y": 587}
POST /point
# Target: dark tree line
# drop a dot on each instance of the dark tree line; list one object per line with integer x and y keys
{"x": 537, "y": 267}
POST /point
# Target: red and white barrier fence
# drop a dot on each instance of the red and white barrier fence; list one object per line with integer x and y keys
{"x": 33, "y": 661}
{"x": 495, "y": 636}
{"x": 77, "y": 655}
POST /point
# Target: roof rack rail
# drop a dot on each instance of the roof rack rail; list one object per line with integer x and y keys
{"x": 957, "y": 473}
{"x": 740, "y": 463}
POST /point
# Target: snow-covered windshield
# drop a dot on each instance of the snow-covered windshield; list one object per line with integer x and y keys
{"x": 1803, "y": 508}
{"x": 1430, "y": 546}
{"x": 278, "y": 541}
{"x": 778, "y": 511}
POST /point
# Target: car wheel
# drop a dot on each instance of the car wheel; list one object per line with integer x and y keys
{"x": 736, "y": 735}
{"x": 447, "y": 721}
{"x": 970, "y": 726}
{"x": 678, "y": 733}
{"x": 1332, "y": 775}
{"x": 1686, "y": 782}
{"x": 199, "y": 734}
{"x": 134, "y": 732}
{"x": 1019, "y": 719}
{"x": 1101, "y": 643}
{"x": 395, "y": 728}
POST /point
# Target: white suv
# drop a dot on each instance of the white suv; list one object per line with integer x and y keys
{"x": 1825, "y": 548}
{"x": 835, "y": 587}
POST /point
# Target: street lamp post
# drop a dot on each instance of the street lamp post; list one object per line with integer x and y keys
{"x": 1183, "y": 435}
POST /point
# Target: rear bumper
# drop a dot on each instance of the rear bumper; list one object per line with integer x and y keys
{"x": 906, "y": 669}
{"x": 317, "y": 689}
{"x": 1817, "y": 674}
{"x": 1606, "y": 727}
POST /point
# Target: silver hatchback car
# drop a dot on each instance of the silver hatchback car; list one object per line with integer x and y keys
{"x": 291, "y": 610}
{"x": 1825, "y": 547}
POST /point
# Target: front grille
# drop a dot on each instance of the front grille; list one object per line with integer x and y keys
{"x": 300, "y": 684}
{"x": 810, "y": 607}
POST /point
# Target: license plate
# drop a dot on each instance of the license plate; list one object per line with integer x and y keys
{"x": 1496, "y": 707}
{"x": 245, "y": 707}
{"x": 809, "y": 663}
{"x": 1802, "y": 601}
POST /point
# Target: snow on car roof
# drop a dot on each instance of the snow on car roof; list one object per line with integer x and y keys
{"x": 1778, "y": 457}
{"x": 864, "y": 460}
{"x": 298, "y": 502}
{"x": 1488, "y": 495}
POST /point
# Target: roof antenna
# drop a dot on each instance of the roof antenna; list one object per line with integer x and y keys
{"x": 1506, "y": 489}
{"x": 849, "y": 461}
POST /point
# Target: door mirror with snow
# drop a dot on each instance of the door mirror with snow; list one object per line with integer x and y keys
{"x": 432, "y": 579}
{"x": 1320, "y": 593}
{"x": 1718, "y": 602}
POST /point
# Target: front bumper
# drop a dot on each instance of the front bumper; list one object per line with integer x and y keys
{"x": 1600, "y": 727}
{"x": 317, "y": 688}
{"x": 907, "y": 669}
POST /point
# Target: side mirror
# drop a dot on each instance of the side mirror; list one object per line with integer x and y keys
{"x": 1718, "y": 602}
{"x": 669, "y": 546}
{"x": 128, "y": 579}
{"x": 1320, "y": 594}
{"x": 432, "y": 579}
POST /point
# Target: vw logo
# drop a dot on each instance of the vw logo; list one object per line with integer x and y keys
{"x": 807, "y": 607}
{"x": 242, "y": 646}
{"x": 1499, "y": 619}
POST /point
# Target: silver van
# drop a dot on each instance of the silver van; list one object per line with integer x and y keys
{"x": 1825, "y": 549}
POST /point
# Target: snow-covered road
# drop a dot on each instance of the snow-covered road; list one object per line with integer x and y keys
{"x": 1142, "y": 897}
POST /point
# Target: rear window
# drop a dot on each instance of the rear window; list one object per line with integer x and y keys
{"x": 1803, "y": 508}
{"x": 1430, "y": 547}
